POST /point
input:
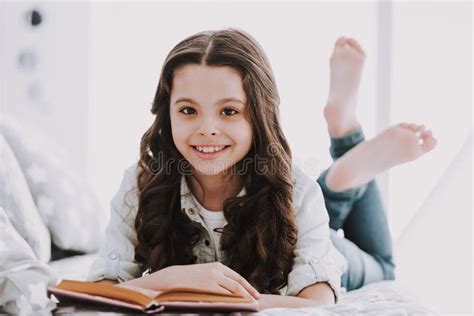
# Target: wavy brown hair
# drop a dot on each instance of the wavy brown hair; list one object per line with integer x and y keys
{"x": 259, "y": 239}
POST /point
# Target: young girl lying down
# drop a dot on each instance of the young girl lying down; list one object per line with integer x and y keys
{"x": 216, "y": 203}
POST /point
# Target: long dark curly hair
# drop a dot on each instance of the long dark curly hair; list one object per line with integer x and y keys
{"x": 259, "y": 239}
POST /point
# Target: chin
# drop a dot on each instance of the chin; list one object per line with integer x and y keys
{"x": 210, "y": 168}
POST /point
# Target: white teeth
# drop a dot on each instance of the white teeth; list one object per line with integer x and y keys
{"x": 209, "y": 149}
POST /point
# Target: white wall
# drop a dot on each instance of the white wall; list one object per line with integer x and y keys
{"x": 51, "y": 86}
{"x": 432, "y": 84}
{"x": 130, "y": 43}
{"x": 430, "y": 200}
{"x": 435, "y": 250}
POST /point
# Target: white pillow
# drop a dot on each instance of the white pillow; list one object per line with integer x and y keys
{"x": 68, "y": 207}
{"x": 23, "y": 279}
{"x": 16, "y": 199}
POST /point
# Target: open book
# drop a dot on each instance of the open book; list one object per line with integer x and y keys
{"x": 150, "y": 301}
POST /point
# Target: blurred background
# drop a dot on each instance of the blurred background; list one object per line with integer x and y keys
{"x": 86, "y": 73}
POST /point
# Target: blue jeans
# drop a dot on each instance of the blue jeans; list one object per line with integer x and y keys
{"x": 360, "y": 213}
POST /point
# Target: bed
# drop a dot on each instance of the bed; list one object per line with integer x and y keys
{"x": 380, "y": 298}
{"x": 386, "y": 297}
{"x": 50, "y": 223}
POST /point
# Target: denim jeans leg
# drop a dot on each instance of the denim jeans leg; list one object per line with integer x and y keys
{"x": 362, "y": 268}
{"x": 367, "y": 244}
{"x": 367, "y": 227}
{"x": 340, "y": 145}
{"x": 339, "y": 204}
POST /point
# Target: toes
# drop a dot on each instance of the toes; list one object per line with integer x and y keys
{"x": 413, "y": 127}
{"x": 426, "y": 139}
{"x": 354, "y": 42}
{"x": 419, "y": 131}
{"x": 429, "y": 143}
{"x": 356, "y": 45}
{"x": 341, "y": 41}
{"x": 426, "y": 133}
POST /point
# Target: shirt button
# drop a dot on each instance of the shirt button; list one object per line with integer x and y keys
{"x": 315, "y": 260}
{"x": 207, "y": 242}
{"x": 191, "y": 211}
{"x": 113, "y": 256}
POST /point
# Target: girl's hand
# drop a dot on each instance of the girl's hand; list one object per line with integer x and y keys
{"x": 213, "y": 276}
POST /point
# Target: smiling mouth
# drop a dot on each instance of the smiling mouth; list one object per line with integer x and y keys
{"x": 206, "y": 152}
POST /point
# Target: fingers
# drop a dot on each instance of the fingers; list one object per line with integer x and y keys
{"x": 224, "y": 290}
{"x": 242, "y": 281}
{"x": 234, "y": 287}
{"x": 216, "y": 288}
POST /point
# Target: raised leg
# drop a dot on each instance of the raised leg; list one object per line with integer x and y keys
{"x": 350, "y": 191}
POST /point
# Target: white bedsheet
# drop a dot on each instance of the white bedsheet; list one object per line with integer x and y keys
{"x": 381, "y": 298}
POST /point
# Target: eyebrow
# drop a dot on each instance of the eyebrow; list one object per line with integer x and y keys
{"x": 218, "y": 102}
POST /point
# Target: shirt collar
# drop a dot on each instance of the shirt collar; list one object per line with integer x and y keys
{"x": 187, "y": 204}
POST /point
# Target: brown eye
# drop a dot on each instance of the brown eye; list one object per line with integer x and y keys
{"x": 229, "y": 112}
{"x": 187, "y": 111}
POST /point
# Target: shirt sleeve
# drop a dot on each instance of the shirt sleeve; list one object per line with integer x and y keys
{"x": 316, "y": 258}
{"x": 116, "y": 260}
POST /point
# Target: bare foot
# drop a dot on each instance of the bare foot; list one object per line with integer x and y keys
{"x": 396, "y": 145}
{"x": 346, "y": 64}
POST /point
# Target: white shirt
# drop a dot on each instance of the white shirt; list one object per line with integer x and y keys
{"x": 214, "y": 220}
{"x": 316, "y": 258}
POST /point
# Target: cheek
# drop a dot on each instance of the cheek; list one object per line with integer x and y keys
{"x": 179, "y": 133}
{"x": 244, "y": 136}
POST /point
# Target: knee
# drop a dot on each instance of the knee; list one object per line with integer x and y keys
{"x": 390, "y": 275}
{"x": 388, "y": 268}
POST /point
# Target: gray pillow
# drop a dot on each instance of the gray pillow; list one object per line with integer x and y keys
{"x": 16, "y": 199}
{"x": 68, "y": 207}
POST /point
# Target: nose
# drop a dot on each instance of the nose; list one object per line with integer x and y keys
{"x": 208, "y": 126}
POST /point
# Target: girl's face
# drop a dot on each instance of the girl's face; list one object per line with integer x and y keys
{"x": 208, "y": 120}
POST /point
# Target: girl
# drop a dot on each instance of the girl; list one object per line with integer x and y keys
{"x": 215, "y": 202}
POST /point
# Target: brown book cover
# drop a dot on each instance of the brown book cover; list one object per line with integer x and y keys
{"x": 149, "y": 300}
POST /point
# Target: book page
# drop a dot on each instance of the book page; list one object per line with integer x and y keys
{"x": 147, "y": 292}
